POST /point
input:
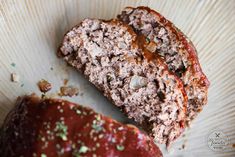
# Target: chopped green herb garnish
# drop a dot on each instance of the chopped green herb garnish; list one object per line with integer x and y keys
{"x": 22, "y": 85}
{"x": 61, "y": 130}
{"x": 83, "y": 149}
{"x": 13, "y": 64}
{"x": 120, "y": 148}
{"x": 43, "y": 155}
{"x": 76, "y": 154}
{"x": 98, "y": 117}
{"x": 147, "y": 40}
{"x": 97, "y": 127}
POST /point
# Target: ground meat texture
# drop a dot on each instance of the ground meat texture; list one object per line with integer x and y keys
{"x": 135, "y": 80}
{"x": 163, "y": 38}
{"x": 54, "y": 127}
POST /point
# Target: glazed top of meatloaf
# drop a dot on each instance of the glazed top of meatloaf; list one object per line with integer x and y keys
{"x": 54, "y": 127}
{"x": 134, "y": 79}
{"x": 177, "y": 50}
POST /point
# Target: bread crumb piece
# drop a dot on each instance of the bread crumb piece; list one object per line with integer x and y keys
{"x": 15, "y": 77}
{"x": 66, "y": 81}
{"x": 68, "y": 91}
{"x": 44, "y": 86}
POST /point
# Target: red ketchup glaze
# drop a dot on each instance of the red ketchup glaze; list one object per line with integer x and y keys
{"x": 54, "y": 127}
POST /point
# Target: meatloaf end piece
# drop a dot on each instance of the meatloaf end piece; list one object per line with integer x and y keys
{"x": 135, "y": 80}
{"x": 54, "y": 127}
{"x": 163, "y": 38}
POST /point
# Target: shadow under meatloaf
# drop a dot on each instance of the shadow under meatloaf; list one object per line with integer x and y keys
{"x": 54, "y": 127}
{"x": 138, "y": 82}
{"x": 163, "y": 38}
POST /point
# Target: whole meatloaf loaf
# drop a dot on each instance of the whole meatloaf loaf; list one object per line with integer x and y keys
{"x": 57, "y": 128}
{"x": 135, "y": 80}
{"x": 163, "y": 38}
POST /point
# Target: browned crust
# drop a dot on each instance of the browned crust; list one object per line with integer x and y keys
{"x": 196, "y": 67}
{"x": 24, "y": 132}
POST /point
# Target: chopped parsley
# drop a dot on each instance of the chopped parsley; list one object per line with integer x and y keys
{"x": 61, "y": 130}
{"x": 43, "y": 155}
{"x": 83, "y": 149}
{"x": 97, "y": 127}
{"x": 120, "y": 147}
{"x": 147, "y": 40}
{"x": 97, "y": 124}
{"x": 76, "y": 154}
{"x": 13, "y": 64}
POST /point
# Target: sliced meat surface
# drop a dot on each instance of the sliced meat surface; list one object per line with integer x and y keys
{"x": 110, "y": 55}
{"x": 178, "y": 52}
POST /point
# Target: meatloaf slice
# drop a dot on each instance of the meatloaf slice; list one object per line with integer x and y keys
{"x": 53, "y": 127}
{"x": 138, "y": 82}
{"x": 163, "y": 38}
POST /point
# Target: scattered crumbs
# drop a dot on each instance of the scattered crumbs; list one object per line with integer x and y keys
{"x": 13, "y": 64}
{"x": 183, "y": 146}
{"x": 183, "y": 135}
{"x": 51, "y": 68}
{"x": 61, "y": 130}
{"x": 68, "y": 91}
{"x": 44, "y": 86}
{"x": 233, "y": 145}
{"x": 43, "y": 155}
{"x": 15, "y": 77}
{"x": 66, "y": 81}
{"x": 22, "y": 85}
{"x": 120, "y": 147}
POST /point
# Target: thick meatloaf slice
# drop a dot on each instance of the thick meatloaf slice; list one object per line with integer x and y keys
{"x": 53, "y": 127}
{"x": 164, "y": 38}
{"x": 136, "y": 81}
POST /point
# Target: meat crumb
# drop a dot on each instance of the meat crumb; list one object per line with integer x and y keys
{"x": 15, "y": 77}
{"x": 66, "y": 81}
{"x": 44, "y": 86}
{"x": 68, "y": 91}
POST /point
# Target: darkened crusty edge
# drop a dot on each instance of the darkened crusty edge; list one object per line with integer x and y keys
{"x": 135, "y": 80}
{"x": 177, "y": 50}
{"x": 54, "y": 127}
